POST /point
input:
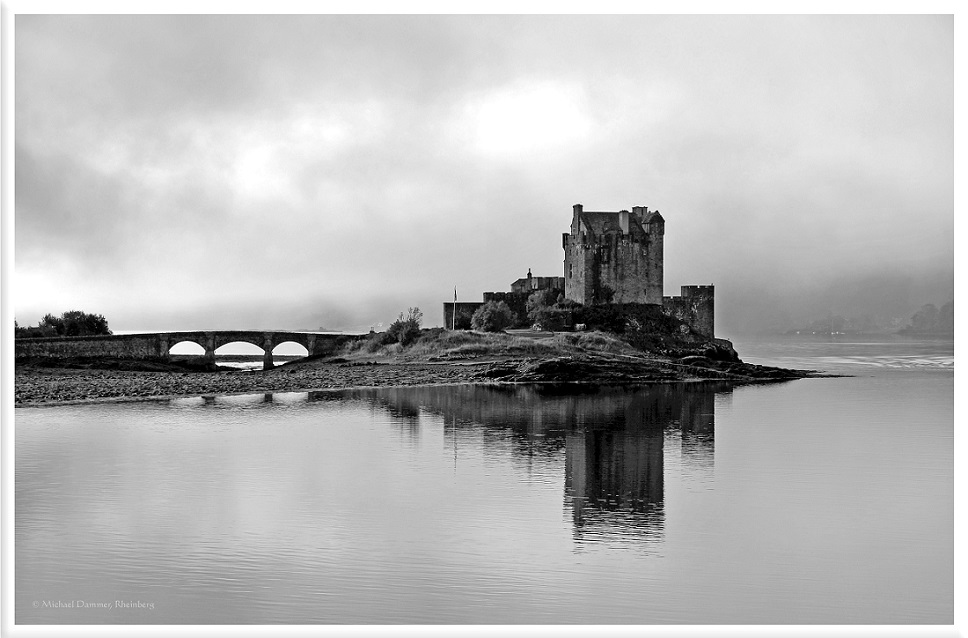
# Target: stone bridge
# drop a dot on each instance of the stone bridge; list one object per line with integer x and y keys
{"x": 157, "y": 346}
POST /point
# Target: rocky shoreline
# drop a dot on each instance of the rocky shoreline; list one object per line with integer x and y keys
{"x": 35, "y": 385}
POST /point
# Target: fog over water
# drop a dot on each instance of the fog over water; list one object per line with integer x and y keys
{"x": 186, "y": 172}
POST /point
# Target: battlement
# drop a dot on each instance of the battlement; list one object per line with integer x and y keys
{"x": 696, "y": 291}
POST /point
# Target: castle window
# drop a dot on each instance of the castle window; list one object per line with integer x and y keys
{"x": 569, "y": 271}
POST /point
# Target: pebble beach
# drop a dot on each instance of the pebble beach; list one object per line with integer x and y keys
{"x": 41, "y": 386}
{"x": 45, "y": 386}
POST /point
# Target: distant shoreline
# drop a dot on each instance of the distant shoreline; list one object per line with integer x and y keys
{"x": 893, "y": 333}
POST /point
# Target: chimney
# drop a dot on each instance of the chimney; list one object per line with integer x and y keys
{"x": 623, "y": 221}
{"x": 577, "y": 208}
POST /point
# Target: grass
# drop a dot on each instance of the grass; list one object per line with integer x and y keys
{"x": 438, "y": 344}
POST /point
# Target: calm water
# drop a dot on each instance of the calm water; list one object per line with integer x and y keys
{"x": 813, "y": 501}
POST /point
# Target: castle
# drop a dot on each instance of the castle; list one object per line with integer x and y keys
{"x": 614, "y": 257}
{"x": 610, "y": 257}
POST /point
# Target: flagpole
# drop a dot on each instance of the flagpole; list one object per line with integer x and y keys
{"x": 453, "y": 315}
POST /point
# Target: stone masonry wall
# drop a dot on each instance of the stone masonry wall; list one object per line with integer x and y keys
{"x": 695, "y": 307}
{"x": 578, "y": 265}
{"x": 632, "y": 270}
{"x": 155, "y": 346}
{"x": 139, "y": 347}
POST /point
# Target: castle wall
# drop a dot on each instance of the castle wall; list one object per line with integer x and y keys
{"x": 695, "y": 307}
{"x": 578, "y": 267}
{"x": 464, "y": 309}
{"x": 629, "y": 270}
{"x": 655, "y": 260}
{"x": 633, "y": 271}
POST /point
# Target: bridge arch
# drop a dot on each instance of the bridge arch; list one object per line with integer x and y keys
{"x": 186, "y": 347}
{"x": 246, "y": 347}
{"x": 290, "y": 346}
{"x": 221, "y": 340}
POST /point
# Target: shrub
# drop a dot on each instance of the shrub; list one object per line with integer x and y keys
{"x": 405, "y": 329}
{"x": 601, "y": 317}
{"x": 463, "y": 320}
{"x": 539, "y": 305}
{"x": 550, "y": 311}
{"x": 31, "y": 332}
{"x": 494, "y": 316}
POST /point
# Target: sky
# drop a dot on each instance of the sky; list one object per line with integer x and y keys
{"x": 331, "y": 171}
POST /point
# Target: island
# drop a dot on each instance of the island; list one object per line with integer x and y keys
{"x": 605, "y": 320}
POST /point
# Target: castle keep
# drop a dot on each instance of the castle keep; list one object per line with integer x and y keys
{"x": 610, "y": 257}
{"x": 614, "y": 257}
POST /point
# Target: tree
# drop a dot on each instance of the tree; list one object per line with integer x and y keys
{"x": 463, "y": 320}
{"x": 53, "y": 324}
{"x": 929, "y": 319}
{"x": 78, "y": 323}
{"x": 73, "y": 323}
{"x": 494, "y": 316}
{"x": 540, "y": 305}
{"x": 405, "y": 329}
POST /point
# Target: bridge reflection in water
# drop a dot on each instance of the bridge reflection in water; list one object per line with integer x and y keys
{"x": 615, "y": 441}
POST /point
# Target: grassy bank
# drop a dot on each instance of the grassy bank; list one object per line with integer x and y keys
{"x": 437, "y": 344}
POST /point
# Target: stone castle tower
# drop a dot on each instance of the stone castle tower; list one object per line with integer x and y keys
{"x": 614, "y": 257}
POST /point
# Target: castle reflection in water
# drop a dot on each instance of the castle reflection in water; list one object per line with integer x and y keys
{"x": 615, "y": 441}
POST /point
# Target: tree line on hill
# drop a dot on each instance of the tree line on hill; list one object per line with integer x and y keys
{"x": 933, "y": 320}
{"x": 73, "y": 323}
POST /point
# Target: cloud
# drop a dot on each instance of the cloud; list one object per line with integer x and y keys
{"x": 211, "y": 169}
